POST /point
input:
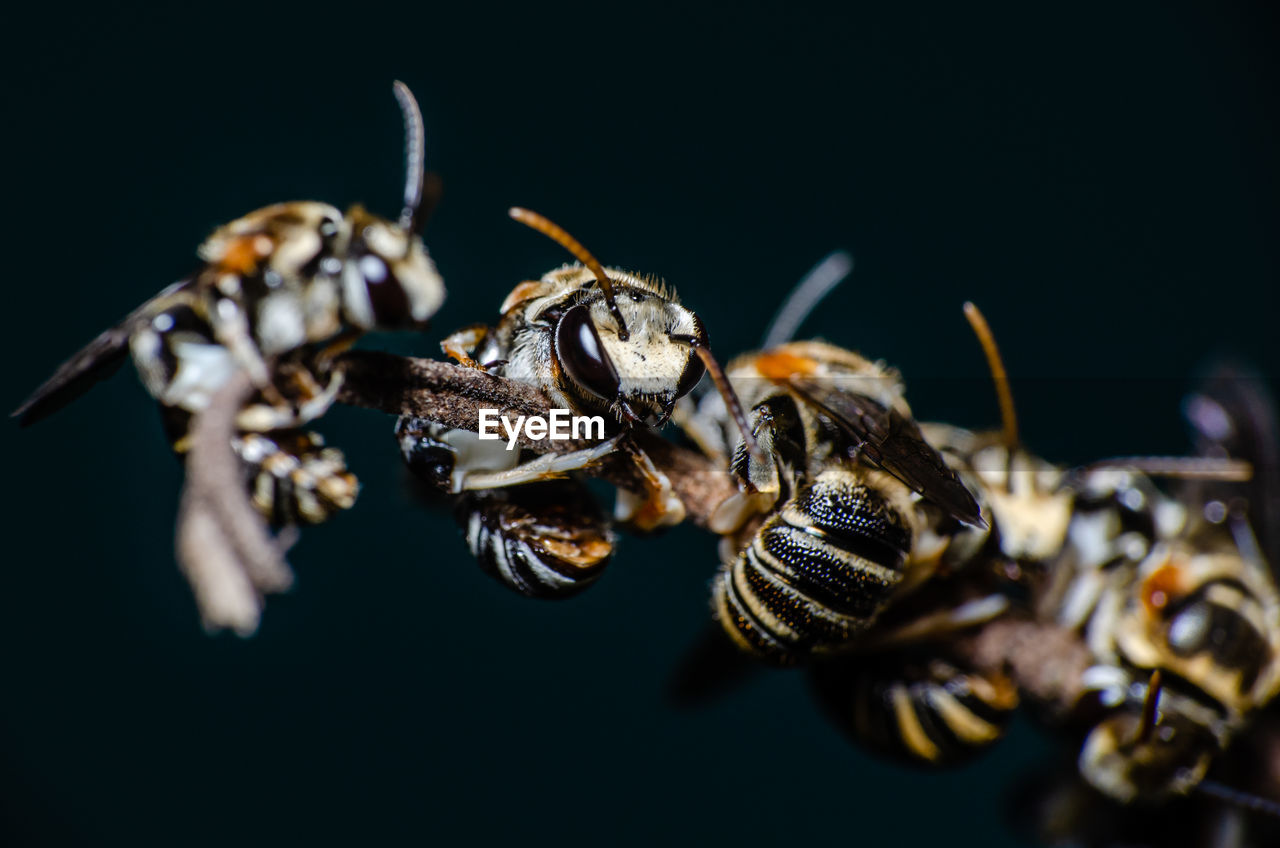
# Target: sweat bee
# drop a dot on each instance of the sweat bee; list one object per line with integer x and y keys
{"x": 828, "y": 524}
{"x": 280, "y": 291}
{"x": 598, "y": 342}
{"x": 1171, "y": 593}
{"x": 1179, "y": 606}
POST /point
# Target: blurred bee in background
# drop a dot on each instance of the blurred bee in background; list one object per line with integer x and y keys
{"x": 1177, "y": 602}
{"x": 281, "y": 292}
{"x": 1171, "y": 594}
{"x": 596, "y": 341}
{"x": 1177, "y": 597}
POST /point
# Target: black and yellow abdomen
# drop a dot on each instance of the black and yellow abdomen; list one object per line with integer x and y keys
{"x": 819, "y": 569}
{"x": 930, "y": 711}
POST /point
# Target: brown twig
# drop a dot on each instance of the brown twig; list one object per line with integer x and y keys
{"x": 1046, "y": 661}
{"x": 452, "y": 395}
{"x": 232, "y": 561}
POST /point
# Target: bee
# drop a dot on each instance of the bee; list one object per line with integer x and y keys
{"x": 596, "y": 341}
{"x": 824, "y": 531}
{"x": 280, "y": 291}
{"x": 1192, "y": 610}
{"x": 1180, "y": 609}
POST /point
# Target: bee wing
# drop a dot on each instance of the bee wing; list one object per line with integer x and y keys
{"x": 95, "y": 361}
{"x": 1233, "y": 414}
{"x": 893, "y": 442}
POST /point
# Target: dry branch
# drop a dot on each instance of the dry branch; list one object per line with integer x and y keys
{"x": 232, "y": 561}
{"x": 452, "y": 395}
{"x": 1045, "y": 660}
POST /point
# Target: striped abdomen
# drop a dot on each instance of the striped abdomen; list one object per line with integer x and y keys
{"x": 545, "y": 540}
{"x": 933, "y": 712}
{"x": 294, "y": 478}
{"x": 818, "y": 571}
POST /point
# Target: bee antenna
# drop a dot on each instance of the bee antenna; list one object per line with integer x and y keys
{"x": 730, "y": 399}
{"x": 1239, "y": 798}
{"x": 1150, "y": 709}
{"x": 411, "y": 218}
{"x": 982, "y": 330}
{"x": 807, "y": 294}
{"x": 557, "y": 234}
{"x": 1182, "y": 467}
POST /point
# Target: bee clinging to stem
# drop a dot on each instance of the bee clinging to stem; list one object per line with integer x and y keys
{"x": 597, "y": 341}
{"x": 828, "y": 528}
{"x": 280, "y": 292}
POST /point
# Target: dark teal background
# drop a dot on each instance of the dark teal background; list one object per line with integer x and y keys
{"x": 1102, "y": 180}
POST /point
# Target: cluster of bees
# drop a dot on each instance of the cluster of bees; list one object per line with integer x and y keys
{"x": 858, "y": 542}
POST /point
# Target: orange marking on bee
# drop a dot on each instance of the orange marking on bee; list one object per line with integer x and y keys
{"x": 780, "y": 365}
{"x": 581, "y": 553}
{"x": 1165, "y": 584}
{"x": 243, "y": 254}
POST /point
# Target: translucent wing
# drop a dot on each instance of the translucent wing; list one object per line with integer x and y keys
{"x": 96, "y": 361}
{"x": 1233, "y": 414}
{"x": 894, "y": 442}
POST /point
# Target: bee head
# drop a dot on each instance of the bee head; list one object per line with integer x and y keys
{"x": 639, "y": 375}
{"x": 388, "y": 280}
{"x": 631, "y": 345}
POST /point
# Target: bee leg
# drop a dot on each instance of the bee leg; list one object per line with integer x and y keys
{"x": 460, "y": 344}
{"x": 702, "y": 426}
{"x": 546, "y": 467}
{"x": 293, "y": 478}
{"x": 310, "y": 400}
{"x": 341, "y": 344}
{"x": 779, "y": 432}
{"x": 231, "y": 330}
{"x": 658, "y": 507}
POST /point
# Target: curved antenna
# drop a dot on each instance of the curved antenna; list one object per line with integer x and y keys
{"x": 723, "y": 386}
{"x": 1150, "y": 709}
{"x": 1008, "y": 418}
{"x": 415, "y": 146}
{"x": 1181, "y": 467}
{"x": 557, "y": 234}
{"x": 807, "y": 294}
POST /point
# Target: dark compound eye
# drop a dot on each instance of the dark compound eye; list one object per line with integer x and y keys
{"x": 579, "y": 350}
{"x": 695, "y": 369}
{"x": 386, "y": 295}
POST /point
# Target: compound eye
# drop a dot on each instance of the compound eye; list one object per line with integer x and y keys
{"x": 695, "y": 369}
{"x": 578, "y": 348}
{"x": 386, "y": 296}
